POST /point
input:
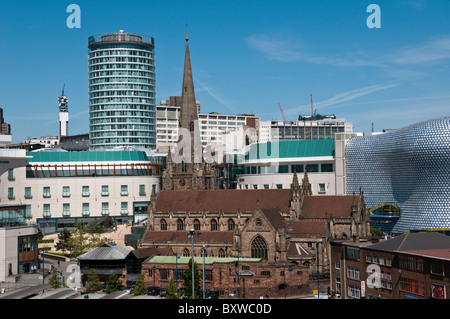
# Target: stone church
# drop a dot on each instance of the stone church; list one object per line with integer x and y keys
{"x": 278, "y": 225}
{"x": 186, "y": 166}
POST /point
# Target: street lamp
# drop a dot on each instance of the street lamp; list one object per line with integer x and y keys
{"x": 203, "y": 253}
{"x": 191, "y": 235}
{"x": 238, "y": 244}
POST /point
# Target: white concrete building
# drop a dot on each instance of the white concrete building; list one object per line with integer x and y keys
{"x": 213, "y": 126}
{"x": 271, "y": 165}
{"x": 60, "y": 189}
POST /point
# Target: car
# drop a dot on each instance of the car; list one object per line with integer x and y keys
{"x": 211, "y": 295}
{"x": 153, "y": 291}
{"x": 163, "y": 293}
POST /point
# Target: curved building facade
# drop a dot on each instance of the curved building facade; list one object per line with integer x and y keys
{"x": 409, "y": 168}
{"x": 122, "y": 104}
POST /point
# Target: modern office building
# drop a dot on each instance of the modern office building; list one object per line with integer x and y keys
{"x": 63, "y": 115}
{"x": 272, "y": 164}
{"x": 19, "y": 242}
{"x": 306, "y": 128}
{"x": 215, "y": 128}
{"x": 404, "y": 174}
{"x": 61, "y": 189}
{"x": 122, "y": 90}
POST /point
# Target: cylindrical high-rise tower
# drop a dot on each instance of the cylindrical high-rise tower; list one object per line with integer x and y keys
{"x": 122, "y": 107}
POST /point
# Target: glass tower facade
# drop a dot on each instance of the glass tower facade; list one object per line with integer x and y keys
{"x": 410, "y": 168}
{"x": 122, "y": 105}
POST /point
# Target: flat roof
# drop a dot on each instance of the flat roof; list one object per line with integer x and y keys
{"x": 88, "y": 156}
{"x": 291, "y": 149}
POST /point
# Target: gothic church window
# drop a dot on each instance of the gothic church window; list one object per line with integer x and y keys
{"x": 231, "y": 225}
{"x": 259, "y": 248}
{"x": 196, "y": 224}
{"x": 180, "y": 225}
{"x": 214, "y": 225}
{"x": 163, "y": 224}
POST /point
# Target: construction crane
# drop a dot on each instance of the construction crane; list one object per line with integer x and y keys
{"x": 282, "y": 113}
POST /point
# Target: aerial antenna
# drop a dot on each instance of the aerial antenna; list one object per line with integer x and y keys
{"x": 64, "y": 86}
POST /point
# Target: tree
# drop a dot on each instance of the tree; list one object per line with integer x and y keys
{"x": 139, "y": 287}
{"x": 82, "y": 241}
{"x": 113, "y": 284}
{"x": 63, "y": 243}
{"x": 187, "y": 278}
{"x": 93, "y": 281}
{"x": 172, "y": 292}
{"x": 55, "y": 279}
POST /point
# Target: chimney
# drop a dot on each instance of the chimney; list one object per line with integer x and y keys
{"x": 355, "y": 238}
{"x": 375, "y": 240}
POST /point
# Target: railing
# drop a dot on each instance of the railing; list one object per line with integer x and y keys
{"x": 121, "y": 37}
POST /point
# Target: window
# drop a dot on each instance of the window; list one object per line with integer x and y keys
{"x": 163, "y": 224}
{"x": 368, "y": 258}
{"x": 259, "y": 248}
{"x": 142, "y": 190}
{"x": 124, "y": 190}
{"x": 322, "y": 189}
{"x": 437, "y": 269}
{"x": 297, "y": 168}
{"x": 279, "y": 186}
{"x": 46, "y": 192}
{"x": 124, "y": 208}
{"x": 214, "y": 226}
{"x": 337, "y": 264}
{"x": 105, "y": 190}
{"x": 354, "y": 291}
{"x": 353, "y": 273}
{"x": 327, "y": 168}
{"x": 411, "y": 263}
{"x": 312, "y": 168}
{"x": 85, "y": 209}
{"x": 196, "y": 224}
{"x": 66, "y": 210}
{"x": 437, "y": 291}
{"x": 66, "y": 191}
{"x": 186, "y": 253}
{"x": 412, "y": 286}
{"x": 46, "y": 211}
{"x": 11, "y": 193}
{"x": 164, "y": 274}
{"x": 222, "y": 253}
{"x": 28, "y": 211}
{"x": 283, "y": 169}
{"x": 105, "y": 208}
{"x": 338, "y": 284}
{"x": 85, "y": 191}
{"x": 11, "y": 174}
{"x": 352, "y": 253}
{"x": 28, "y": 192}
{"x": 266, "y": 186}
{"x": 382, "y": 260}
{"x": 180, "y": 224}
{"x": 231, "y": 225}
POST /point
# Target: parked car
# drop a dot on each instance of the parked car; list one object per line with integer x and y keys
{"x": 211, "y": 295}
{"x": 153, "y": 291}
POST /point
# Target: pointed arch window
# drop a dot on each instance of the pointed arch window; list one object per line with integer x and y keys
{"x": 231, "y": 225}
{"x": 222, "y": 253}
{"x": 180, "y": 224}
{"x": 259, "y": 248}
{"x": 196, "y": 224}
{"x": 186, "y": 253}
{"x": 163, "y": 224}
{"x": 214, "y": 226}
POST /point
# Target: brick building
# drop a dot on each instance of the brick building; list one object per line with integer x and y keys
{"x": 414, "y": 265}
{"x": 256, "y": 276}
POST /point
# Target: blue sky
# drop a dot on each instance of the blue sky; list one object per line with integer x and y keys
{"x": 247, "y": 56}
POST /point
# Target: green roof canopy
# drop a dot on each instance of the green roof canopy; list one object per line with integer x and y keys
{"x": 291, "y": 149}
{"x": 98, "y": 156}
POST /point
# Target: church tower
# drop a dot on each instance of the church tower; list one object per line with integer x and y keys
{"x": 186, "y": 168}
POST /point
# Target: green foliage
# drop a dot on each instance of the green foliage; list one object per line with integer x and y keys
{"x": 93, "y": 281}
{"x": 113, "y": 284}
{"x": 55, "y": 279}
{"x": 139, "y": 287}
{"x": 63, "y": 240}
{"x": 81, "y": 241}
{"x": 187, "y": 278}
{"x": 375, "y": 231}
{"x": 172, "y": 292}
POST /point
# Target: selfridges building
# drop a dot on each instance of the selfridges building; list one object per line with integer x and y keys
{"x": 408, "y": 168}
